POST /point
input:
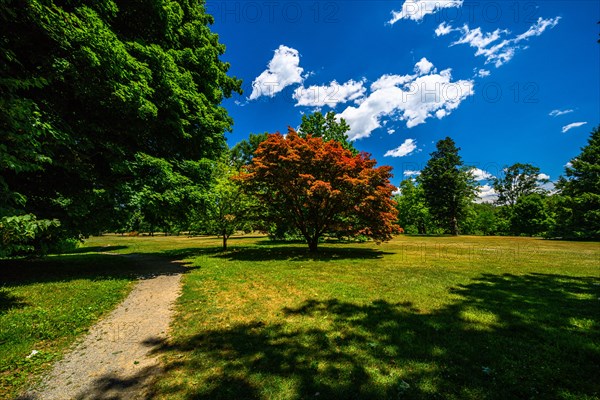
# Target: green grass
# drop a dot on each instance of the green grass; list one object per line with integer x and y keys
{"x": 46, "y": 304}
{"x": 448, "y": 318}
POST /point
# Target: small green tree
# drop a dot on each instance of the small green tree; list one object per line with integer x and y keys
{"x": 413, "y": 214}
{"x": 227, "y": 208}
{"x": 448, "y": 186}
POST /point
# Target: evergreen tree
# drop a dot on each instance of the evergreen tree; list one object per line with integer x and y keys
{"x": 448, "y": 186}
{"x": 578, "y": 206}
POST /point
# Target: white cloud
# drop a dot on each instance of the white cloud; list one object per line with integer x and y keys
{"x": 409, "y": 98}
{"x": 388, "y": 81}
{"x": 418, "y": 9}
{"x": 404, "y": 149}
{"x": 482, "y": 73}
{"x": 410, "y": 172}
{"x": 481, "y": 175}
{"x": 477, "y": 38}
{"x": 538, "y": 28}
{"x": 391, "y": 131}
{"x": 282, "y": 71}
{"x": 569, "y": 164}
{"x": 543, "y": 176}
{"x": 567, "y": 128}
{"x": 330, "y": 95}
{"x": 443, "y": 29}
{"x": 486, "y": 194}
{"x": 423, "y": 66}
{"x": 490, "y": 45}
{"x": 556, "y": 113}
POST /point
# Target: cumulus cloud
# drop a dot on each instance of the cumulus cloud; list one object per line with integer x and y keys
{"x": 404, "y": 149}
{"x": 543, "y": 176}
{"x": 495, "y": 46}
{"x": 556, "y": 113}
{"x": 282, "y": 71}
{"x": 482, "y": 73}
{"x": 330, "y": 95}
{"x": 423, "y": 66}
{"x": 410, "y": 172}
{"x": 416, "y": 10}
{"x": 567, "y": 128}
{"x": 481, "y": 175}
{"x": 410, "y": 98}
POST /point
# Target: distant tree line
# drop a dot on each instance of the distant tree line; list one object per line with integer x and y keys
{"x": 441, "y": 199}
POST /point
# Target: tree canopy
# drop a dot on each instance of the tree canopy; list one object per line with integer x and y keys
{"x": 321, "y": 188}
{"x": 518, "y": 180}
{"x": 88, "y": 87}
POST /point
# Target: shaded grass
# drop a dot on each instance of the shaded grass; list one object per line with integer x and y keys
{"x": 451, "y": 318}
{"x": 46, "y": 304}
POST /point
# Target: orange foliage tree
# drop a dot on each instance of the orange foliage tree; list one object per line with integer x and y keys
{"x": 321, "y": 188}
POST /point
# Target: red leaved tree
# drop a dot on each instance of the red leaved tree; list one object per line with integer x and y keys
{"x": 321, "y": 188}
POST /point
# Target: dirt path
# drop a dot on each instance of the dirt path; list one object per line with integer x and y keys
{"x": 114, "y": 360}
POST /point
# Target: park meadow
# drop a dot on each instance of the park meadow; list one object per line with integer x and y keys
{"x": 417, "y": 317}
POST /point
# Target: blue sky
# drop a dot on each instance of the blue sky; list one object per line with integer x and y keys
{"x": 509, "y": 81}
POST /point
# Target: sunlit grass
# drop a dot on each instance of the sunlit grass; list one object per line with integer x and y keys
{"x": 419, "y": 317}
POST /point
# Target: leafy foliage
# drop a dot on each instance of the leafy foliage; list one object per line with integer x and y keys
{"x": 529, "y": 215}
{"x": 242, "y": 153}
{"x": 447, "y": 185}
{"x": 321, "y": 188}
{"x": 100, "y": 83}
{"x": 326, "y": 127}
{"x": 226, "y": 208}
{"x": 413, "y": 214}
{"x": 518, "y": 180}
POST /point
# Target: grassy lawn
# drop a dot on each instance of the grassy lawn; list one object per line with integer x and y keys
{"x": 46, "y": 304}
{"x": 448, "y": 318}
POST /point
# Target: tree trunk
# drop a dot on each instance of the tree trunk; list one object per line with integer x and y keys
{"x": 224, "y": 242}
{"x": 454, "y": 226}
{"x": 313, "y": 245}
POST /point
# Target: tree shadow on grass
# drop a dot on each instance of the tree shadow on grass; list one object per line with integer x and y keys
{"x": 93, "y": 266}
{"x": 95, "y": 249}
{"x": 8, "y": 301}
{"x": 278, "y": 253}
{"x": 505, "y": 336}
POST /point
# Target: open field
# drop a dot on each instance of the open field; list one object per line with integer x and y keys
{"x": 468, "y": 317}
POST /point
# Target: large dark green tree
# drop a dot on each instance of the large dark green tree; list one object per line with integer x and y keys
{"x": 578, "y": 208}
{"x": 448, "y": 186}
{"x": 518, "y": 180}
{"x": 86, "y": 87}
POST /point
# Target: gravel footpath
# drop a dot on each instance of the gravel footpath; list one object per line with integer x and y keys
{"x": 115, "y": 359}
